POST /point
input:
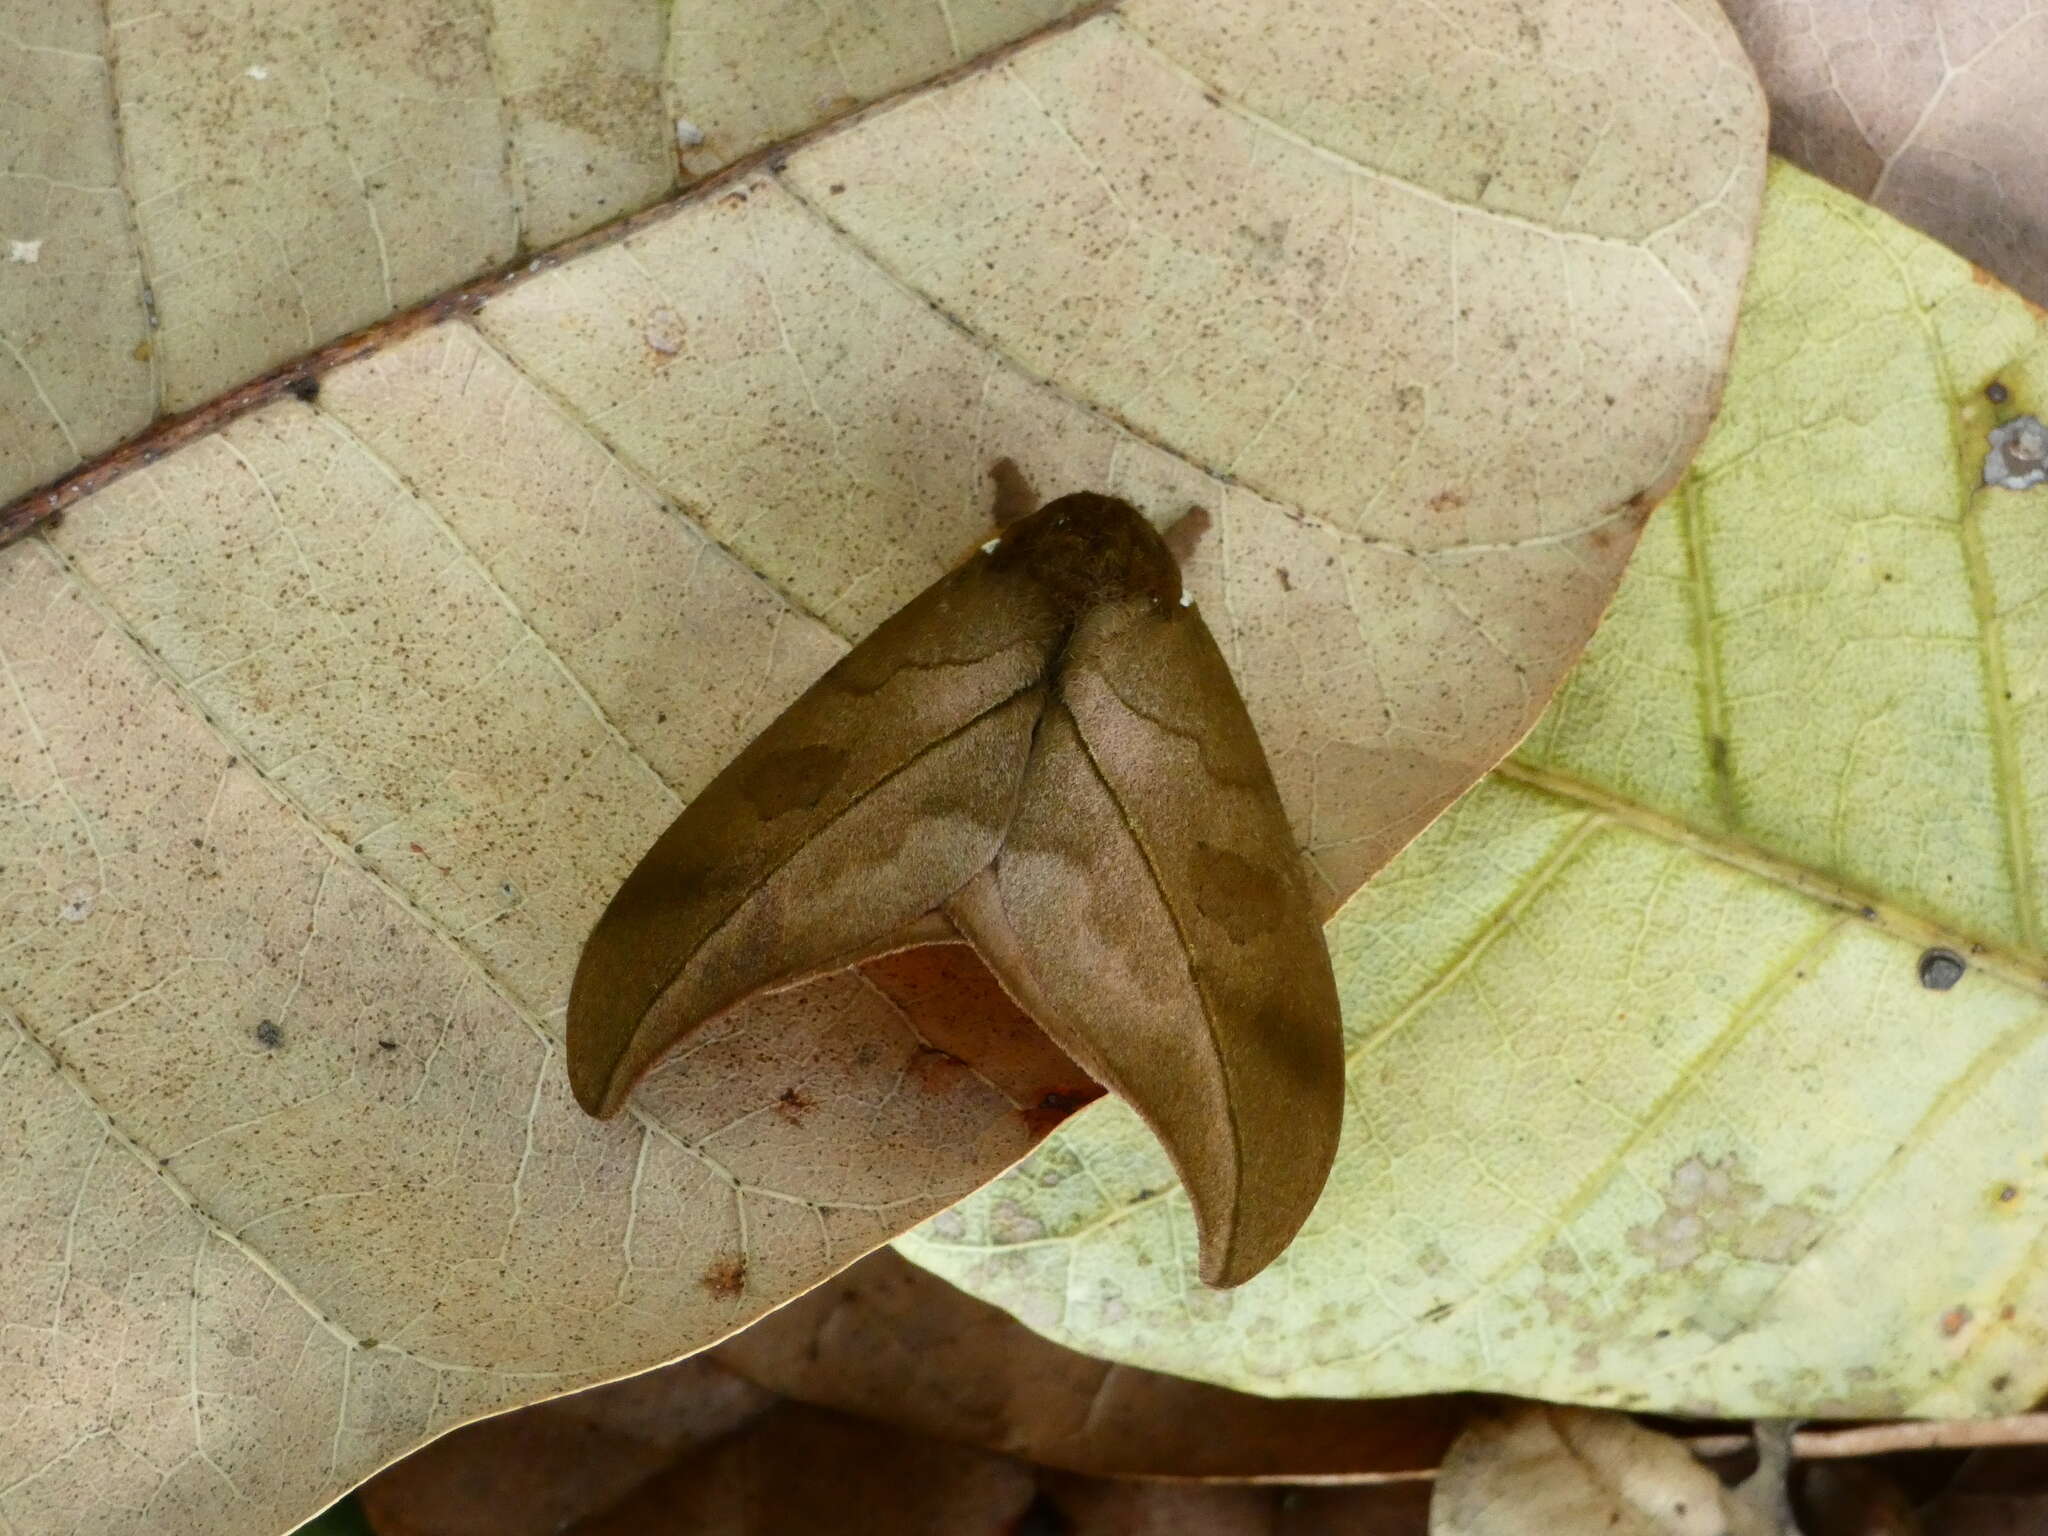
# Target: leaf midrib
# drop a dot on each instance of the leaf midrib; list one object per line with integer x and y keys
{"x": 2018, "y": 967}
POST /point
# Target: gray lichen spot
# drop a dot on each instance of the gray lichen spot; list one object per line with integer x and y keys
{"x": 2018, "y": 459}
{"x": 1940, "y": 969}
{"x": 1009, "y": 1222}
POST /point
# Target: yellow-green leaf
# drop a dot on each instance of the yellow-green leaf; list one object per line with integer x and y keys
{"x": 1657, "y": 1095}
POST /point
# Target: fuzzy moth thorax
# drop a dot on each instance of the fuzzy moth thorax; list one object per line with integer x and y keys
{"x": 1087, "y": 549}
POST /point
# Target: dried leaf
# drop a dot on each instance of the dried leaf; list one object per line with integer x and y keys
{"x": 1859, "y": 1498}
{"x": 802, "y": 1469}
{"x": 2001, "y": 1492}
{"x": 201, "y": 193}
{"x": 887, "y": 1340}
{"x": 468, "y": 655}
{"x": 736, "y": 1466}
{"x": 1673, "y": 1042}
{"x": 1932, "y": 109}
{"x": 534, "y": 1471}
{"x": 1539, "y": 1470}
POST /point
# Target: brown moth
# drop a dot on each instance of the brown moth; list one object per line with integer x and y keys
{"x": 1044, "y": 751}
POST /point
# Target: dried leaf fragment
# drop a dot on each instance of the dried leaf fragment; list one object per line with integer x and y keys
{"x": 887, "y": 1340}
{"x": 1542, "y": 1469}
{"x": 1047, "y": 743}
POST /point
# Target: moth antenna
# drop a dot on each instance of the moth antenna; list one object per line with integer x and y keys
{"x": 1186, "y": 533}
{"x": 1015, "y": 499}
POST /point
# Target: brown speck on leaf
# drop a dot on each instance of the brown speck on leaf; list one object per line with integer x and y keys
{"x": 836, "y": 188}
{"x": 792, "y": 1104}
{"x": 726, "y": 1278}
{"x": 1446, "y": 501}
{"x": 1954, "y": 1321}
{"x": 1286, "y": 581}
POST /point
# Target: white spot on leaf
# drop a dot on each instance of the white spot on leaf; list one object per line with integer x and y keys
{"x": 2018, "y": 459}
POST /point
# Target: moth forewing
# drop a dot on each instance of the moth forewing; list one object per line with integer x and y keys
{"x": 861, "y": 808}
{"x": 1194, "y": 977}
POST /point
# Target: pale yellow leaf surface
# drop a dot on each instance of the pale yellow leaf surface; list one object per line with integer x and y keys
{"x": 324, "y": 739}
{"x": 208, "y": 188}
{"x": 1650, "y": 1106}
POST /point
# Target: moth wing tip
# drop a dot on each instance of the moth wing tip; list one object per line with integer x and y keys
{"x": 1223, "y": 1263}
{"x": 595, "y": 1085}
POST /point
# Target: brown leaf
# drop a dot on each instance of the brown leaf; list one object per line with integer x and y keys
{"x": 1047, "y": 744}
{"x": 1932, "y": 109}
{"x": 801, "y": 1469}
{"x": 1079, "y": 1506}
{"x": 1536, "y": 1470}
{"x": 533, "y": 1471}
{"x": 692, "y": 1451}
{"x": 887, "y": 1340}
{"x": 1857, "y": 1498}
{"x": 1999, "y": 1492}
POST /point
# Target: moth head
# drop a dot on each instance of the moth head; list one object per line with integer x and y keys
{"x": 1088, "y": 548}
